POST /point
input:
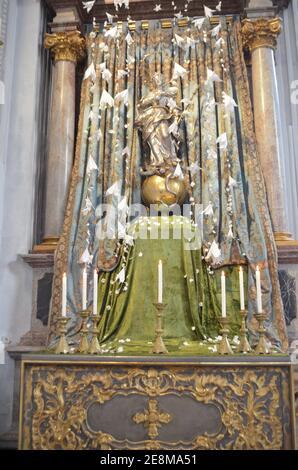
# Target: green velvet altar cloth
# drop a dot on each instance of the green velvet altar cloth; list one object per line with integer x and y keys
{"x": 192, "y": 295}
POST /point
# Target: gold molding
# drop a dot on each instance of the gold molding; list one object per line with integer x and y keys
{"x": 283, "y": 237}
{"x": 66, "y": 46}
{"x": 168, "y": 23}
{"x": 261, "y": 32}
{"x": 48, "y": 245}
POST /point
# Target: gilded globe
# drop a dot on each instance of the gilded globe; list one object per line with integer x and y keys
{"x": 156, "y": 190}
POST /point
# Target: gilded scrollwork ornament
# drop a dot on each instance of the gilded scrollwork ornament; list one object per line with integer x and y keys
{"x": 253, "y": 406}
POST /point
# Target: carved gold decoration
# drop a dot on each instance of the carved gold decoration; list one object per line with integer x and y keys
{"x": 181, "y": 23}
{"x": 69, "y": 46}
{"x": 260, "y": 33}
{"x": 253, "y": 401}
{"x": 152, "y": 418}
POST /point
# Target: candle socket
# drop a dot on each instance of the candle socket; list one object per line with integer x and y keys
{"x": 84, "y": 345}
{"x": 261, "y": 347}
{"x": 94, "y": 345}
{"x": 159, "y": 346}
{"x": 244, "y": 346}
{"x": 62, "y": 346}
{"x": 224, "y": 346}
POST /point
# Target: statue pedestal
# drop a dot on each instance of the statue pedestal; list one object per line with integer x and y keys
{"x": 87, "y": 402}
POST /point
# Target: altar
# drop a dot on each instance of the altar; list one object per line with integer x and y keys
{"x": 166, "y": 328}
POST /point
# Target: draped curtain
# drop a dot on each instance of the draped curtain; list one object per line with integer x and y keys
{"x": 217, "y": 136}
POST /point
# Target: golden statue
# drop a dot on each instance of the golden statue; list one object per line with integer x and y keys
{"x": 158, "y": 119}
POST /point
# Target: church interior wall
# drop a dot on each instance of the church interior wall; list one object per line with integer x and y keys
{"x": 17, "y": 185}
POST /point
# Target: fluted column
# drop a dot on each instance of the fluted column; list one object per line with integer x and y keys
{"x": 260, "y": 37}
{"x": 67, "y": 48}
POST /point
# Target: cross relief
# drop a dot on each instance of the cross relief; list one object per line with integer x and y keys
{"x": 152, "y": 418}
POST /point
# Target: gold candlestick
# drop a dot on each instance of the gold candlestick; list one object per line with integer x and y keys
{"x": 224, "y": 345}
{"x": 94, "y": 345}
{"x": 244, "y": 346}
{"x": 84, "y": 345}
{"x": 159, "y": 346}
{"x": 62, "y": 346}
{"x": 261, "y": 347}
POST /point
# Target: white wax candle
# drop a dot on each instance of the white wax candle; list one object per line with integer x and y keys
{"x": 223, "y": 295}
{"x": 95, "y": 291}
{"x": 160, "y": 282}
{"x": 64, "y": 294}
{"x": 84, "y": 290}
{"x": 241, "y": 283}
{"x": 259, "y": 290}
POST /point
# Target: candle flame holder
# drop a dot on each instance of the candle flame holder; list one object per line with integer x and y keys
{"x": 84, "y": 344}
{"x": 159, "y": 346}
{"x": 224, "y": 346}
{"x": 62, "y": 346}
{"x": 262, "y": 347}
{"x": 244, "y": 346}
{"x": 94, "y": 345}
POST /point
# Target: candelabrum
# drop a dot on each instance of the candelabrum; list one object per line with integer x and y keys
{"x": 84, "y": 345}
{"x": 224, "y": 345}
{"x": 159, "y": 346}
{"x": 244, "y": 346}
{"x": 94, "y": 345}
{"x": 62, "y": 346}
{"x": 262, "y": 347}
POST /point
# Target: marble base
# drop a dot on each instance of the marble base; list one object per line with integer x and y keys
{"x": 43, "y": 267}
{"x": 262, "y": 11}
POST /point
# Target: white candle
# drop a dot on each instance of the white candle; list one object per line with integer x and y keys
{"x": 95, "y": 291}
{"x": 259, "y": 290}
{"x": 64, "y": 293}
{"x": 160, "y": 282}
{"x": 241, "y": 283}
{"x": 223, "y": 295}
{"x": 84, "y": 290}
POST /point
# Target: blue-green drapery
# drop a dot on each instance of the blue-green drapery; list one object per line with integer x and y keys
{"x": 230, "y": 179}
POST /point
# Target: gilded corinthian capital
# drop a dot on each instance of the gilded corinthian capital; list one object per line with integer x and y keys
{"x": 260, "y": 33}
{"x": 68, "y": 46}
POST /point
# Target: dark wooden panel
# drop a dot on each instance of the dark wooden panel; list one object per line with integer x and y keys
{"x": 144, "y": 9}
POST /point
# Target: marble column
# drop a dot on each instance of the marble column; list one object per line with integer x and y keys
{"x": 67, "y": 48}
{"x": 259, "y": 36}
